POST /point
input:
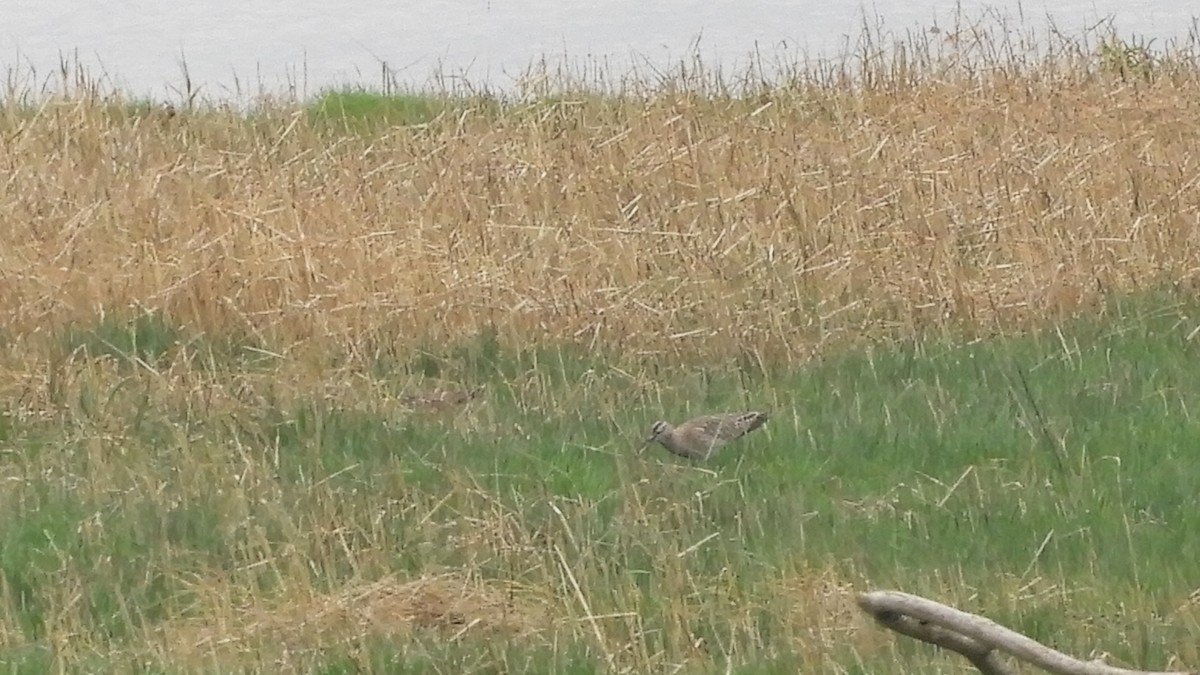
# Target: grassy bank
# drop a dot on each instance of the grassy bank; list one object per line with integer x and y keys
{"x": 961, "y": 284}
{"x": 207, "y": 519}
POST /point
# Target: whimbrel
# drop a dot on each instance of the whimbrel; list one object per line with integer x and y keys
{"x": 700, "y": 437}
{"x": 441, "y": 398}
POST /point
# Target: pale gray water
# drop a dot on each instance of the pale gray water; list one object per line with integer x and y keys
{"x": 315, "y": 44}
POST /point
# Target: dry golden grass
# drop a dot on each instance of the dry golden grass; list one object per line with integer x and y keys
{"x": 936, "y": 194}
{"x": 447, "y": 606}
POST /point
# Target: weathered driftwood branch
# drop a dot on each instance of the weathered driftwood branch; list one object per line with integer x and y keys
{"x": 983, "y": 657}
{"x": 977, "y": 638}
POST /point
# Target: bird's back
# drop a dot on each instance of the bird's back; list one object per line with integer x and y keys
{"x": 701, "y": 436}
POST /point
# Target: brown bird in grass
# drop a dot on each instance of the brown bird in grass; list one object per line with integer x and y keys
{"x": 440, "y": 398}
{"x": 700, "y": 437}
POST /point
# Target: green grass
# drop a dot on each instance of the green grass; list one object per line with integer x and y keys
{"x": 481, "y": 658}
{"x": 150, "y": 340}
{"x": 1062, "y": 463}
{"x": 360, "y": 109}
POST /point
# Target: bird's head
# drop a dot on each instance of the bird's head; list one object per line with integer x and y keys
{"x": 657, "y": 431}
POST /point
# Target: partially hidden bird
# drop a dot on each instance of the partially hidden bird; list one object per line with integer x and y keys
{"x": 441, "y": 398}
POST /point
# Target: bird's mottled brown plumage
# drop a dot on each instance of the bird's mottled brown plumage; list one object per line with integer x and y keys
{"x": 441, "y": 398}
{"x": 700, "y": 437}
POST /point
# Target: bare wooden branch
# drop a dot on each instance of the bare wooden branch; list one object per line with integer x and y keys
{"x": 984, "y": 658}
{"x": 977, "y": 638}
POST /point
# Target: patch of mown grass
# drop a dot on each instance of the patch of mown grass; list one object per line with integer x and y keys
{"x": 355, "y": 109}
